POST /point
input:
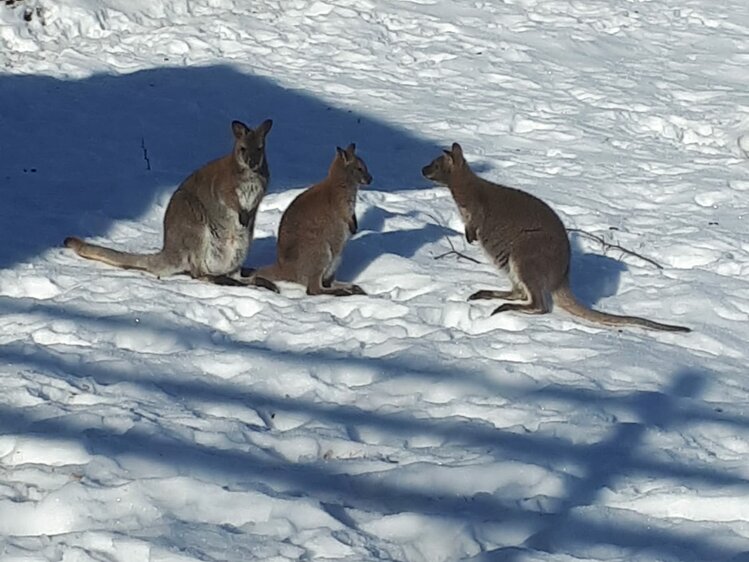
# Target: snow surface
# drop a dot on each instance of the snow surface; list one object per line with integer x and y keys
{"x": 172, "y": 420}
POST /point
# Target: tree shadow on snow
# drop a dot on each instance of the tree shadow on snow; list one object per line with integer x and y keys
{"x": 558, "y": 525}
{"x": 77, "y": 155}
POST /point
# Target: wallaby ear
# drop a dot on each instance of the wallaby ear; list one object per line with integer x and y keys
{"x": 457, "y": 153}
{"x": 239, "y": 129}
{"x": 449, "y": 156}
{"x": 351, "y": 149}
{"x": 343, "y": 154}
{"x": 264, "y": 128}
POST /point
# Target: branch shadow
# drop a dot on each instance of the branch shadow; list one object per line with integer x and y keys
{"x": 557, "y": 529}
{"x": 78, "y": 155}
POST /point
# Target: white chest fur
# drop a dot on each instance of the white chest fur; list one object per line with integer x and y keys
{"x": 251, "y": 191}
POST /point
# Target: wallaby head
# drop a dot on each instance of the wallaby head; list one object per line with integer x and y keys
{"x": 249, "y": 144}
{"x": 441, "y": 168}
{"x": 353, "y": 168}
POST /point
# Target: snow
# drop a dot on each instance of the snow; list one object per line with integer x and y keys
{"x": 172, "y": 420}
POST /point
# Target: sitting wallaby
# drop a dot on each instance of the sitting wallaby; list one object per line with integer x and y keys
{"x": 210, "y": 219}
{"x": 524, "y": 237}
{"x": 316, "y": 226}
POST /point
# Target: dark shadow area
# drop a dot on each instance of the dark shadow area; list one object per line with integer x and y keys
{"x": 368, "y": 246}
{"x": 77, "y": 155}
{"x": 365, "y": 247}
{"x": 558, "y": 528}
{"x": 593, "y": 277}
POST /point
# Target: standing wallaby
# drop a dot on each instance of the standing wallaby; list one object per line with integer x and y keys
{"x": 210, "y": 219}
{"x": 316, "y": 226}
{"x": 524, "y": 237}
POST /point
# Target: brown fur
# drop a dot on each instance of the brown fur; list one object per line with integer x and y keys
{"x": 316, "y": 226}
{"x": 210, "y": 219}
{"x": 524, "y": 237}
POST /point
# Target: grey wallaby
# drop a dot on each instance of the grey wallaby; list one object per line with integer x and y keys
{"x": 316, "y": 226}
{"x": 210, "y": 219}
{"x": 525, "y": 238}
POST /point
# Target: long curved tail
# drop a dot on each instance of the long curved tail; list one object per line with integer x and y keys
{"x": 564, "y": 298}
{"x": 145, "y": 262}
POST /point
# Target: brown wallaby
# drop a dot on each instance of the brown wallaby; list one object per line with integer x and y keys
{"x": 524, "y": 237}
{"x": 210, "y": 219}
{"x": 316, "y": 226}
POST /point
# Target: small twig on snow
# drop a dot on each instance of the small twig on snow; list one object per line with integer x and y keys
{"x": 453, "y": 250}
{"x": 607, "y": 246}
{"x": 145, "y": 153}
{"x": 456, "y": 252}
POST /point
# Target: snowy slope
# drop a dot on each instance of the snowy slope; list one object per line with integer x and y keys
{"x": 172, "y": 420}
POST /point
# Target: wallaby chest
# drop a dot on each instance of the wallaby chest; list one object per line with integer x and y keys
{"x": 230, "y": 234}
{"x": 250, "y": 191}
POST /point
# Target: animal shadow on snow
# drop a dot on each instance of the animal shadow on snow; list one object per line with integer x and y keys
{"x": 373, "y": 242}
{"x": 78, "y": 155}
{"x": 561, "y": 524}
{"x": 593, "y": 277}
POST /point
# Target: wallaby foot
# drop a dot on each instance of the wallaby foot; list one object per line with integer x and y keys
{"x": 346, "y": 290}
{"x": 337, "y": 290}
{"x": 486, "y": 294}
{"x": 263, "y": 283}
{"x": 526, "y": 308}
{"x": 229, "y": 281}
{"x": 223, "y": 280}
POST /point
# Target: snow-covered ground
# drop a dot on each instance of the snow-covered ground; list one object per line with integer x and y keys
{"x": 172, "y": 420}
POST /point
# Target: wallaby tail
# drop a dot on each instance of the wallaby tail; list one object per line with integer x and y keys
{"x": 564, "y": 298}
{"x": 145, "y": 262}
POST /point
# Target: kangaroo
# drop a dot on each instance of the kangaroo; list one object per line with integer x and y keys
{"x": 210, "y": 219}
{"x": 525, "y": 238}
{"x": 316, "y": 226}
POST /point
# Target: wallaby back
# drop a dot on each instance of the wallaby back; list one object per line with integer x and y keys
{"x": 523, "y": 236}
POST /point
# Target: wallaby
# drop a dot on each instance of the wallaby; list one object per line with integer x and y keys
{"x": 210, "y": 219}
{"x": 525, "y": 238}
{"x": 316, "y": 226}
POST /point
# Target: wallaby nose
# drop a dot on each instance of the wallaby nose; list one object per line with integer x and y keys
{"x": 425, "y": 171}
{"x": 368, "y": 179}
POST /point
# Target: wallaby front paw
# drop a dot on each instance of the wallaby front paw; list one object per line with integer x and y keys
{"x": 247, "y": 271}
